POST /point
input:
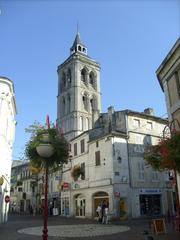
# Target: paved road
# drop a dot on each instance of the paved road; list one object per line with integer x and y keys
{"x": 78, "y": 229}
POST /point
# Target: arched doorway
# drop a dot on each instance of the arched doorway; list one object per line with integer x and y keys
{"x": 99, "y": 198}
{"x": 80, "y": 205}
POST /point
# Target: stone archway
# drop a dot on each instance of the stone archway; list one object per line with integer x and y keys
{"x": 80, "y": 205}
{"x": 98, "y": 198}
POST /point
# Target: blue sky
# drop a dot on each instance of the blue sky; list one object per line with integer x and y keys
{"x": 128, "y": 38}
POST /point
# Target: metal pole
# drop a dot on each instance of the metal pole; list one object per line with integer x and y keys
{"x": 177, "y": 200}
{"x": 45, "y": 230}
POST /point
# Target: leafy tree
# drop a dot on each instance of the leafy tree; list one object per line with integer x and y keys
{"x": 165, "y": 155}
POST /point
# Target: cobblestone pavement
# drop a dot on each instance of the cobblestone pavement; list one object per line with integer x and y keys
{"x": 79, "y": 229}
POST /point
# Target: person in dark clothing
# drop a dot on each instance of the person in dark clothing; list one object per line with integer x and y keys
{"x": 103, "y": 206}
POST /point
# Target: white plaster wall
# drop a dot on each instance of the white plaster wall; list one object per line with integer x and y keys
{"x": 105, "y": 170}
{"x": 7, "y": 130}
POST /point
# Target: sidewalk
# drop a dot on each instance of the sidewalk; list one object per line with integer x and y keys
{"x": 64, "y": 225}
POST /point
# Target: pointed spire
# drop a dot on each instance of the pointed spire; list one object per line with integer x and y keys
{"x": 78, "y": 45}
{"x": 77, "y": 40}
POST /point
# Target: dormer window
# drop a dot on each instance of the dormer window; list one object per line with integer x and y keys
{"x": 79, "y": 48}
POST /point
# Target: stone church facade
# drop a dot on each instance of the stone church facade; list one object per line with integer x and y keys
{"x": 107, "y": 147}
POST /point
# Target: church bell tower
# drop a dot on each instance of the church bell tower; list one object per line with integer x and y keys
{"x": 79, "y": 97}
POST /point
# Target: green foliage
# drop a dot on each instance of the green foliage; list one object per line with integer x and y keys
{"x": 165, "y": 155}
{"x": 58, "y": 142}
{"x": 76, "y": 172}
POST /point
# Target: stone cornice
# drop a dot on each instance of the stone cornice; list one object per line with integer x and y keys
{"x": 80, "y": 57}
{"x": 10, "y": 84}
{"x": 172, "y": 59}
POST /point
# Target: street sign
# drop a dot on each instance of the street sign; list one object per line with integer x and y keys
{"x": 117, "y": 194}
{"x": 1, "y": 181}
{"x": 7, "y": 199}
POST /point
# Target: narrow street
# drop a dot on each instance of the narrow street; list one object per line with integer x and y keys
{"x": 73, "y": 229}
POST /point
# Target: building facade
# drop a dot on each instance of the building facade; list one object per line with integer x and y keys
{"x": 27, "y": 191}
{"x": 113, "y": 169}
{"x": 107, "y": 163}
{"x": 7, "y": 131}
{"x": 168, "y": 75}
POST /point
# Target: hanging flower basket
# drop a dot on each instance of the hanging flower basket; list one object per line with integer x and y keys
{"x": 47, "y": 148}
{"x": 165, "y": 155}
{"x": 76, "y": 172}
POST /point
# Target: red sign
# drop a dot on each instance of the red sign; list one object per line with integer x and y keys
{"x": 7, "y": 199}
{"x": 65, "y": 185}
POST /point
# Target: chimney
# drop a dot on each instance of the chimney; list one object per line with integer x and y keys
{"x": 149, "y": 111}
{"x": 110, "y": 113}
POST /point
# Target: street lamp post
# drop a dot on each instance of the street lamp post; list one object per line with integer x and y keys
{"x": 45, "y": 150}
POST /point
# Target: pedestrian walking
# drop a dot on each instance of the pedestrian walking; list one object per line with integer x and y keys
{"x": 103, "y": 206}
{"x": 105, "y": 219}
{"x": 99, "y": 213}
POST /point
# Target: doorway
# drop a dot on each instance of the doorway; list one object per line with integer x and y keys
{"x": 80, "y": 206}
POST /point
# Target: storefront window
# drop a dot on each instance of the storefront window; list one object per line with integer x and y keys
{"x": 150, "y": 205}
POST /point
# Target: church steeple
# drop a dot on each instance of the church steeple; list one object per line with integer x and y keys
{"x": 78, "y": 45}
{"x": 79, "y": 94}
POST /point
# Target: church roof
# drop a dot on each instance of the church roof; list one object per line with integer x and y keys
{"x": 77, "y": 41}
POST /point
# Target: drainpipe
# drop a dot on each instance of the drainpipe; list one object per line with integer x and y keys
{"x": 128, "y": 158}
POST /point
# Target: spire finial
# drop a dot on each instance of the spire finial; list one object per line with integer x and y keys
{"x": 77, "y": 27}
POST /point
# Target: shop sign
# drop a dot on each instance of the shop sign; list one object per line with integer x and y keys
{"x": 57, "y": 178}
{"x": 7, "y": 199}
{"x": 76, "y": 186}
{"x": 55, "y": 194}
{"x": 1, "y": 181}
{"x": 117, "y": 194}
{"x": 65, "y": 185}
{"x": 150, "y": 191}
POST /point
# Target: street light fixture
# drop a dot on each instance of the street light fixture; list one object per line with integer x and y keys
{"x": 45, "y": 150}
